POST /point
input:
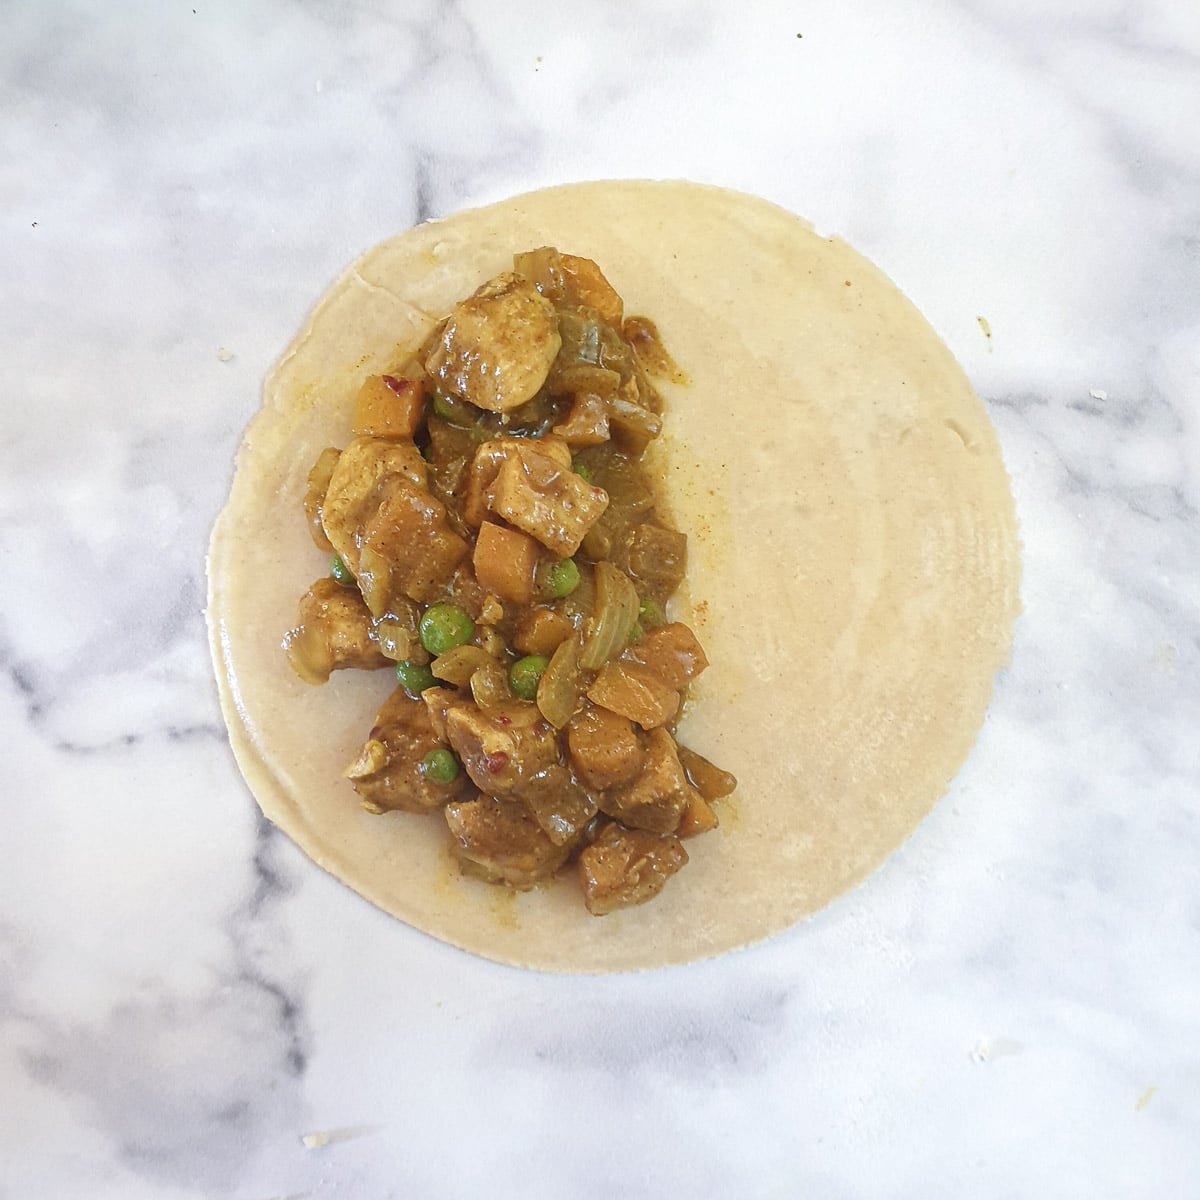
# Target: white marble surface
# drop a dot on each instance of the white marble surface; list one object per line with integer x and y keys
{"x": 1009, "y": 1008}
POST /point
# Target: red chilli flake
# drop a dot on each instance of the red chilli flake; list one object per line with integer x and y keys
{"x": 497, "y": 762}
{"x": 503, "y": 719}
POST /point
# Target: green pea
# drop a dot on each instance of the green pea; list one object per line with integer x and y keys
{"x": 440, "y": 766}
{"x": 455, "y": 411}
{"x": 340, "y": 571}
{"x": 414, "y": 677}
{"x": 650, "y": 613}
{"x": 582, "y": 471}
{"x": 445, "y": 626}
{"x": 524, "y": 674}
{"x": 563, "y": 577}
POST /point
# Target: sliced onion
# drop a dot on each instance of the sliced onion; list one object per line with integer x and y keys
{"x": 560, "y": 689}
{"x": 314, "y": 497}
{"x": 584, "y": 377}
{"x": 457, "y": 666}
{"x": 374, "y": 577}
{"x": 607, "y": 631}
{"x": 489, "y": 685}
{"x": 543, "y": 268}
{"x": 398, "y": 638}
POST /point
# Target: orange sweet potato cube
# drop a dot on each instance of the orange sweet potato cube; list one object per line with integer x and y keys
{"x": 634, "y": 691}
{"x": 504, "y": 562}
{"x": 389, "y": 406}
{"x": 540, "y": 631}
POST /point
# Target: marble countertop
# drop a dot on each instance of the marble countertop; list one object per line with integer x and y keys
{"x": 188, "y": 1008}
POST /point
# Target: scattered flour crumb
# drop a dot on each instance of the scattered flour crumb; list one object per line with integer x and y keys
{"x": 1144, "y": 1099}
{"x": 1098, "y": 394}
{"x": 326, "y": 1137}
{"x": 225, "y": 355}
{"x": 987, "y": 1048}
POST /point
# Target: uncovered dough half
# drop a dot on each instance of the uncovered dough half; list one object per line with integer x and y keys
{"x": 853, "y": 564}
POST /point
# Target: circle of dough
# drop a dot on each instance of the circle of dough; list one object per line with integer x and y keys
{"x": 853, "y": 566}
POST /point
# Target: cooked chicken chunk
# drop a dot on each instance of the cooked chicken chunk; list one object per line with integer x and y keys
{"x": 502, "y": 748}
{"x": 560, "y": 804}
{"x": 604, "y": 749}
{"x": 498, "y": 840}
{"x": 587, "y": 422}
{"x": 439, "y": 701}
{"x": 623, "y": 867}
{"x": 657, "y": 797}
{"x": 657, "y": 560}
{"x": 387, "y": 774}
{"x": 357, "y": 484}
{"x": 546, "y": 500}
{"x": 407, "y": 549}
{"x": 334, "y": 633}
{"x": 498, "y": 345}
{"x": 490, "y": 457}
{"x": 390, "y": 531}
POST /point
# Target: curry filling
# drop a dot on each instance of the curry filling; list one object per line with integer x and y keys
{"x": 495, "y": 539}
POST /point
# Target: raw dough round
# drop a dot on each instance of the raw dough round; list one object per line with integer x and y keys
{"x": 853, "y": 567}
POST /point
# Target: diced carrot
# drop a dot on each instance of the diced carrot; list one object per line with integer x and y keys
{"x": 587, "y": 281}
{"x": 389, "y": 406}
{"x": 504, "y": 562}
{"x": 540, "y": 630}
{"x": 698, "y": 817}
